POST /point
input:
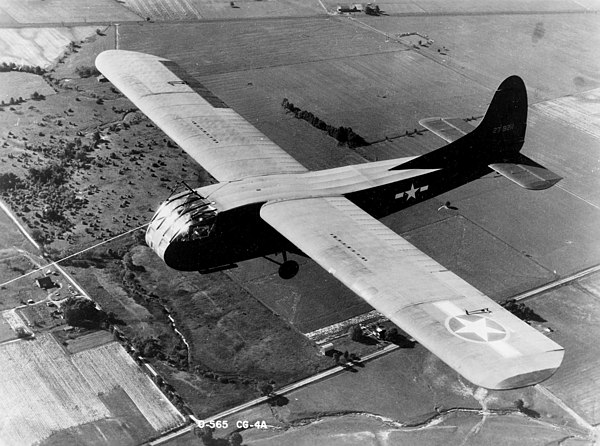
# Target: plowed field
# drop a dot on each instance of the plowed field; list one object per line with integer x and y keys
{"x": 43, "y": 390}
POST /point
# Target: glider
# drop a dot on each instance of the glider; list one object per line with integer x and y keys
{"x": 265, "y": 202}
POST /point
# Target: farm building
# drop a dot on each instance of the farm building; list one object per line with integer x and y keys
{"x": 45, "y": 283}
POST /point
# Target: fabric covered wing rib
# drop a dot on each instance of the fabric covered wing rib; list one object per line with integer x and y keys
{"x": 204, "y": 126}
{"x": 490, "y": 347}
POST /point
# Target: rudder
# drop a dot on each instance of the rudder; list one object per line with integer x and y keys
{"x": 505, "y": 121}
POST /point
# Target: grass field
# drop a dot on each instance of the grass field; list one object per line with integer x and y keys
{"x": 573, "y": 124}
{"x": 554, "y": 56}
{"x": 14, "y": 84}
{"x": 160, "y": 10}
{"x": 245, "y": 45}
{"x": 456, "y": 429}
{"x": 88, "y": 341}
{"x": 572, "y": 311}
{"x": 38, "y": 46}
{"x": 20, "y": 291}
{"x": 385, "y": 97}
{"x": 6, "y": 331}
{"x": 38, "y": 316}
{"x": 61, "y": 11}
{"x": 44, "y": 391}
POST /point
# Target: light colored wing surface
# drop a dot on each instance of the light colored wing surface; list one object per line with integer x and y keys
{"x": 492, "y": 349}
{"x": 528, "y": 175}
{"x": 213, "y": 134}
{"x": 449, "y": 129}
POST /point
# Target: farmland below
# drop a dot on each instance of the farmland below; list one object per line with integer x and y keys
{"x": 87, "y": 166}
{"x": 45, "y": 391}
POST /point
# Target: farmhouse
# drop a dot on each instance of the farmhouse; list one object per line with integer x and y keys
{"x": 45, "y": 283}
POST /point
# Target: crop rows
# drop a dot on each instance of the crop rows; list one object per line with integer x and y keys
{"x": 43, "y": 390}
{"x": 110, "y": 366}
{"x": 164, "y": 9}
{"x": 581, "y": 112}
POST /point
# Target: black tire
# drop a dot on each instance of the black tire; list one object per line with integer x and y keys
{"x": 288, "y": 269}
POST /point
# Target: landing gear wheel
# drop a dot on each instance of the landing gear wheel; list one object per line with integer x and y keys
{"x": 288, "y": 269}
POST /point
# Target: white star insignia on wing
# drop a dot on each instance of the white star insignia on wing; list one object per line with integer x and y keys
{"x": 479, "y": 328}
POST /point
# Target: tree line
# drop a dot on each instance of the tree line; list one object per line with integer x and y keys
{"x": 11, "y": 66}
{"x": 345, "y": 135}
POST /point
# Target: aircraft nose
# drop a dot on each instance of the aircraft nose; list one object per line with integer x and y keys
{"x": 186, "y": 217}
{"x": 156, "y": 239}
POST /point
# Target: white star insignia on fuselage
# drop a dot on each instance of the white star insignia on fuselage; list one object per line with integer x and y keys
{"x": 412, "y": 192}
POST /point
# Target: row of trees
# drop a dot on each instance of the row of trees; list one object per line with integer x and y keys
{"x": 37, "y": 96}
{"x": 345, "y": 135}
{"x": 522, "y": 311}
{"x": 11, "y": 66}
{"x": 13, "y": 101}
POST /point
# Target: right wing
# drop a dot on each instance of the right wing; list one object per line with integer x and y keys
{"x": 464, "y": 328}
{"x": 213, "y": 134}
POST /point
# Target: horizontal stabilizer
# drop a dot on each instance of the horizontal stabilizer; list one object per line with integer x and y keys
{"x": 449, "y": 129}
{"x": 527, "y": 173}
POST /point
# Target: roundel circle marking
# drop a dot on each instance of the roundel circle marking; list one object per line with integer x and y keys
{"x": 475, "y": 328}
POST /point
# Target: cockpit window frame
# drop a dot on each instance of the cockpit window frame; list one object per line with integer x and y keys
{"x": 182, "y": 214}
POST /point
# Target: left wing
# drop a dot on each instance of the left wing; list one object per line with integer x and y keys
{"x": 211, "y": 132}
{"x": 490, "y": 347}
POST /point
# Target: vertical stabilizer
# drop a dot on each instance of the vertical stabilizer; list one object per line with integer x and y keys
{"x": 503, "y": 126}
{"x": 498, "y": 138}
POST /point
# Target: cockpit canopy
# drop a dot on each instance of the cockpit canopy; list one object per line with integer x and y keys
{"x": 184, "y": 217}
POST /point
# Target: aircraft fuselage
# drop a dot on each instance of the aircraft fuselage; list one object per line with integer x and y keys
{"x": 220, "y": 224}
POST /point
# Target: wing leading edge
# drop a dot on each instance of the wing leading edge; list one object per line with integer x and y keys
{"x": 488, "y": 345}
{"x": 213, "y": 134}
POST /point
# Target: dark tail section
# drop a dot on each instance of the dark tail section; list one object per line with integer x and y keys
{"x": 494, "y": 144}
{"x": 498, "y": 137}
{"x": 503, "y": 126}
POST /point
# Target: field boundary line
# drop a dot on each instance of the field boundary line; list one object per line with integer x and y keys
{"x": 556, "y": 283}
{"x": 21, "y": 228}
{"x": 323, "y": 6}
{"x": 578, "y": 418}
